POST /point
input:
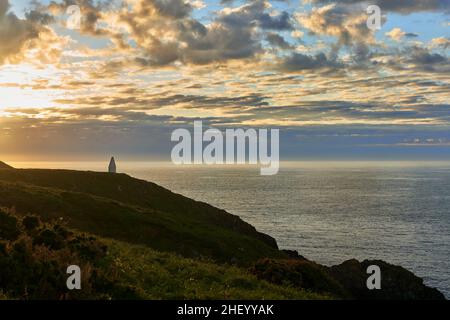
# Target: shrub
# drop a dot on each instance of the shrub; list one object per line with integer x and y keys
{"x": 30, "y": 223}
{"x": 298, "y": 273}
{"x": 9, "y": 227}
{"x": 34, "y": 257}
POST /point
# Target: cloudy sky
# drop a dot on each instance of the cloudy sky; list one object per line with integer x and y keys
{"x": 135, "y": 70}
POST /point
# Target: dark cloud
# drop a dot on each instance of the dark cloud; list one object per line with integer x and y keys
{"x": 280, "y": 22}
{"x": 331, "y": 110}
{"x": 411, "y": 35}
{"x": 277, "y": 41}
{"x": 422, "y": 56}
{"x": 423, "y": 59}
{"x": 166, "y": 32}
{"x": 298, "y": 62}
{"x": 173, "y": 8}
{"x": 232, "y": 35}
{"x": 218, "y": 42}
{"x": 199, "y": 101}
{"x": 255, "y": 13}
{"x": 132, "y": 100}
{"x": 399, "y": 6}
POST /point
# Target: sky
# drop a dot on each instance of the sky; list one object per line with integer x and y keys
{"x": 135, "y": 70}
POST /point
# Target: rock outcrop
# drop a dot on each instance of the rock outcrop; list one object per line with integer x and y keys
{"x": 397, "y": 283}
{"x": 346, "y": 280}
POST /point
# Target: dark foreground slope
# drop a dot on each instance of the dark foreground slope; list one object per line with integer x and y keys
{"x": 121, "y": 207}
{"x": 153, "y": 234}
{"x": 34, "y": 256}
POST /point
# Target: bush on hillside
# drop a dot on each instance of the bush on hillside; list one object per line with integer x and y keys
{"x": 34, "y": 257}
{"x": 297, "y": 273}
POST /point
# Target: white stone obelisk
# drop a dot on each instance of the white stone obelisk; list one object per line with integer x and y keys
{"x": 112, "y": 166}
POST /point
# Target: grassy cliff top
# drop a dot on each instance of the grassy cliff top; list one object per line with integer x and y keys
{"x": 120, "y": 207}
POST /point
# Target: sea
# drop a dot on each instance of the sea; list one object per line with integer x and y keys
{"x": 327, "y": 211}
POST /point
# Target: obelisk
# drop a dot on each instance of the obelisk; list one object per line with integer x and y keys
{"x": 112, "y": 166}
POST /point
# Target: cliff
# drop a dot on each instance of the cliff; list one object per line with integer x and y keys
{"x": 141, "y": 219}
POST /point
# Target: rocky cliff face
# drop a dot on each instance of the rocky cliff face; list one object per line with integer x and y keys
{"x": 397, "y": 283}
{"x": 346, "y": 280}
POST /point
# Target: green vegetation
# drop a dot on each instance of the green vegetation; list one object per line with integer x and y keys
{"x": 34, "y": 257}
{"x": 298, "y": 273}
{"x": 3, "y": 296}
{"x": 169, "y": 276}
{"x": 127, "y": 209}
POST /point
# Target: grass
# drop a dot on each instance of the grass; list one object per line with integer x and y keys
{"x": 3, "y": 296}
{"x": 120, "y": 207}
{"x": 169, "y": 276}
{"x": 34, "y": 256}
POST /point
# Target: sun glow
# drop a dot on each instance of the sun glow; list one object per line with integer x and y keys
{"x": 24, "y": 86}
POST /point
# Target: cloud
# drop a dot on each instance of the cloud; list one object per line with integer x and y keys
{"x": 299, "y": 62}
{"x": 399, "y": 6}
{"x": 165, "y": 32}
{"x": 279, "y": 22}
{"x": 173, "y": 8}
{"x": 440, "y": 42}
{"x": 256, "y": 13}
{"x": 17, "y": 36}
{"x": 197, "y": 4}
{"x": 345, "y": 23}
{"x": 91, "y": 14}
{"x": 218, "y": 102}
{"x": 397, "y": 34}
{"x": 278, "y": 41}
{"x": 425, "y": 60}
